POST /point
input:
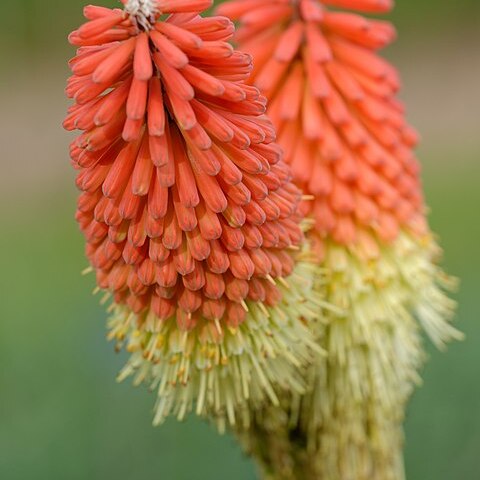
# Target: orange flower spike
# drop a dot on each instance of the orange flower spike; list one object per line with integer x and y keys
{"x": 315, "y": 74}
{"x": 184, "y": 196}
{"x": 333, "y": 102}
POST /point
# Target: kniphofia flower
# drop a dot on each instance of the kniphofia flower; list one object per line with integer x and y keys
{"x": 333, "y": 102}
{"x": 191, "y": 221}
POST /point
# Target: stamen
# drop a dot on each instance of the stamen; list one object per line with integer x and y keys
{"x": 87, "y": 270}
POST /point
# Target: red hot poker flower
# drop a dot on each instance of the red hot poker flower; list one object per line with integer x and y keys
{"x": 187, "y": 207}
{"x": 333, "y": 102}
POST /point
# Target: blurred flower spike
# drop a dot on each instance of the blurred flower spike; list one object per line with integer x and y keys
{"x": 191, "y": 220}
{"x": 333, "y": 103}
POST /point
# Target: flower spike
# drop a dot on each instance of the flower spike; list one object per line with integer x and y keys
{"x": 191, "y": 221}
{"x": 333, "y": 102}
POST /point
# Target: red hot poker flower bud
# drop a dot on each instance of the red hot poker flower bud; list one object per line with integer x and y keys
{"x": 187, "y": 207}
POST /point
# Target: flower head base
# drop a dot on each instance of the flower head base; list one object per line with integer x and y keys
{"x": 349, "y": 424}
{"x": 187, "y": 207}
{"x": 233, "y": 364}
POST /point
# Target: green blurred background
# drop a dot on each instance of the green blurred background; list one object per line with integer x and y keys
{"x": 62, "y": 416}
